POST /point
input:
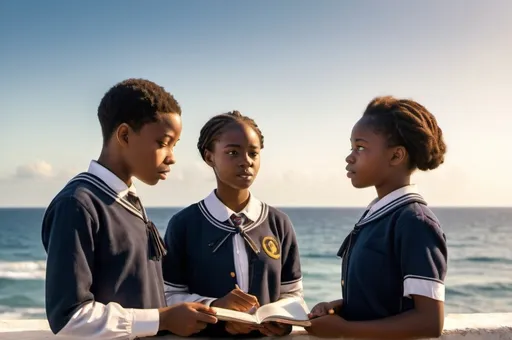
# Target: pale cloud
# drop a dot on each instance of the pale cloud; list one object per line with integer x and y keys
{"x": 39, "y": 169}
{"x": 192, "y": 172}
{"x": 314, "y": 185}
{"x": 310, "y": 187}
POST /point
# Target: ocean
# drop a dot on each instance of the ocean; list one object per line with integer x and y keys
{"x": 479, "y": 273}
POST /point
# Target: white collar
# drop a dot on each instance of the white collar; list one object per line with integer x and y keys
{"x": 222, "y": 213}
{"x": 377, "y": 203}
{"x": 110, "y": 179}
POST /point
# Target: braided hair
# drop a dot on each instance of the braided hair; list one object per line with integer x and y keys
{"x": 407, "y": 123}
{"x": 218, "y": 124}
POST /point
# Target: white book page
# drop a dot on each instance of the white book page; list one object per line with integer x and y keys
{"x": 291, "y": 309}
{"x": 232, "y": 315}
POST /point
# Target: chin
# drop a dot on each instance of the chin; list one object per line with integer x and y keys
{"x": 246, "y": 185}
{"x": 152, "y": 181}
{"x": 237, "y": 183}
{"x": 240, "y": 186}
{"x": 359, "y": 185}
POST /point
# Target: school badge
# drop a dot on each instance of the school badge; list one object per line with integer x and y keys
{"x": 271, "y": 247}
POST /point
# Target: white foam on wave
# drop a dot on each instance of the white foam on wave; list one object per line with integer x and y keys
{"x": 23, "y": 270}
{"x": 7, "y": 313}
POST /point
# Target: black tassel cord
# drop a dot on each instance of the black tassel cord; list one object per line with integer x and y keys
{"x": 156, "y": 247}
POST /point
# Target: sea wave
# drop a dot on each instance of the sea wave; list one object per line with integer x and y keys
{"x": 23, "y": 270}
{"x": 489, "y": 289}
{"x": 319, "y": 256}
{"x": 18, "y": 301}
{"x": 9, "y": 313}
{"x": 488, "y": 259}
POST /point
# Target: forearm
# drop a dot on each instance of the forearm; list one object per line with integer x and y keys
{"x": 175, "y": 294}
{"x": 292, "y": 289}
{"x": 336, "y": 302}
{"x": 408, "y": 325}
{"x": 111, "y": 321}
{"x": 173, "y": 299}
{"x": 299, "y": 294}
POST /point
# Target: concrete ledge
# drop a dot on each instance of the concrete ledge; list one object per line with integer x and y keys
{"x": 457, "y": 327}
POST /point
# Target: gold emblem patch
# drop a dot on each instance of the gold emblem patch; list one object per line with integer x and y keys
{"x": 271, "y": 247}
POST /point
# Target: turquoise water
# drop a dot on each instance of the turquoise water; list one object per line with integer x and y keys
{"x": 479, "y": 274}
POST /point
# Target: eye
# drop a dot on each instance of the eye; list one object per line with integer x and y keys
{"x": 254, "y": 154}
{"x": 232, "y": 152}
{"x": 162, "y": 144}
{"x": 357, "y": 148}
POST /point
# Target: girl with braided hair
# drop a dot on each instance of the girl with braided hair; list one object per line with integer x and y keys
{"x": 394, "y": 261}
{"x": 231, "y": 250}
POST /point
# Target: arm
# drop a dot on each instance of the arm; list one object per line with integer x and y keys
{"x": 326, "y": 308}
{"x": 291, "y": 278}
{"x": 175, "y": 294}
{"x": 174, "y": 266}
{"x": 421, "y": 250}
{"x": 291, "y": 274}
{"x": 425, "y": 320}
{"x": 68, "y": 237}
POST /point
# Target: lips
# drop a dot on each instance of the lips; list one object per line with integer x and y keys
{"x": 350, "y": 172}
{"x": 163, "y": 173}
{"x": 245, "y": 175}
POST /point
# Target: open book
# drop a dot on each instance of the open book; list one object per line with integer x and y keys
{"x": 290, "y": 311}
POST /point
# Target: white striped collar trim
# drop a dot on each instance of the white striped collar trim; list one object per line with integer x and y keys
{"x": 222, "y": 213}
{"x": 229, "y": 227}
{"x": 391, "y": 206}
{"x": 96, "y": 181}
{"x": 377, "y": 203}
{"x": 110, "y": 179}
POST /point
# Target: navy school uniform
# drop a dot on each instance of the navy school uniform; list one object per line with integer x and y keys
{"x": 211, "y": 249}
{"x": 103, "y": 275}
{"x": 396, "y": 250}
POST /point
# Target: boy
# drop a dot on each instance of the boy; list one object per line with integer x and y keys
{"x": 103, "y": 276}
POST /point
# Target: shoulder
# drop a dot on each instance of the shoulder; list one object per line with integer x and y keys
{"x": 418, "y": 213}
{"x": 76, "y": 196}
{"x": 71, "y": 210}
{"x": 416, "y": 218}
{"x": 184, "y": 218}
{"x": 282, "y": 223}
{"x": 277, "y": 215}
{"x": 186, "y": 214}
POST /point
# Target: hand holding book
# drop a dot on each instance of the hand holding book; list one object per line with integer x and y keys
{"x": 290, "y": 311}
{"x": 326, "y": 308}
{"x": 240, "y": 301}
{"x": 237, "y": 300}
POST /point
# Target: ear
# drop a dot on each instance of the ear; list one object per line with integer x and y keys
{"x": 122, "y": 134}
{"x": 208, "y": 158}
{"x": 398, "y": 155}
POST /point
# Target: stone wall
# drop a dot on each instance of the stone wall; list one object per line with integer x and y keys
{"x": 457, "y": 327}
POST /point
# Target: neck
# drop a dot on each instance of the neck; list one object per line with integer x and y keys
{"x": 114, "y": 163}
{"x": 391, "y": 185}
{"x": 234, "y": 199}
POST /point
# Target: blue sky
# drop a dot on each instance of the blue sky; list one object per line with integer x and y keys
{"x": 304, "y": 70}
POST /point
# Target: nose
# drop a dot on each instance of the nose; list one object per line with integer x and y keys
{"x": 246, "y": 161}
{"x": 170, "y": 159}
{"x": 350, "y": 159}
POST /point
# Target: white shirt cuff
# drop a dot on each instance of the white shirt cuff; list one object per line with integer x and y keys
{"x": 145, "y": 322}
{"x": 208, "y": 301}
{"x": 425, "y": 287}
